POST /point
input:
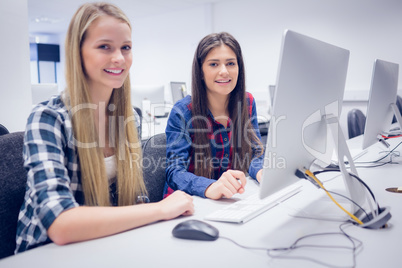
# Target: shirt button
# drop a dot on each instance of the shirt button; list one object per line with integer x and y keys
{"x": 226, "y": 155}
{"x": 225, "y": 139}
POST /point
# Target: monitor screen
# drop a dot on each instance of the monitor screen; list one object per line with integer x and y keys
{"x": 149, "y": 98}
{"x": 310, "y": 84}
{"x": 383, "y": 92}
{"x": 179, "y": 91}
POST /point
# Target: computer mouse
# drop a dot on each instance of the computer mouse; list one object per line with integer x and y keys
{"x": 195, "y": 230}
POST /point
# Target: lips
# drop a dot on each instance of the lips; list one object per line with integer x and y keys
{"x": 114, "y": 71}
{"x": 223, "y": 81}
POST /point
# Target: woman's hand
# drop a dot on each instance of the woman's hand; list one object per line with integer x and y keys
{"x": 176, "y": 204}
{"x": 259, "y": 175}
{"x": 231, "y": 182}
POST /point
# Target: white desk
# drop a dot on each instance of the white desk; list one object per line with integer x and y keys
{"x": 154, "y": 245}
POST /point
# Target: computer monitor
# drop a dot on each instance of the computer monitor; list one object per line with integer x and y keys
{"x": 309, "y": 89}
{"x": 382, "y": 102}
{"x": 150, "y": 99}
{"x": 179, "y": 91}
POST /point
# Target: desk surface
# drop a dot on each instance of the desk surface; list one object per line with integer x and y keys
{"x": 154, "y": 246}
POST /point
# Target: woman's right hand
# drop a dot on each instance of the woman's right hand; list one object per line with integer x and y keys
{"x": 176, "y": 204}
{"x": 231, "y": 182}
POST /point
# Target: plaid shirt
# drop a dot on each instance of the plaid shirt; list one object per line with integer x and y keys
{"x": 180, "y": 154}
{"x": 54, "y": 179}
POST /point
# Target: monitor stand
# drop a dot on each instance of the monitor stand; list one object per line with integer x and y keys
{"x": 398, "y": 117}
{"x": 355, "y": 190}
{"x": 377, "y": 216}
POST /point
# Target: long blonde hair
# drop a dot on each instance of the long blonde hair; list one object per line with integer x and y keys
{"x": 130, "y": 183}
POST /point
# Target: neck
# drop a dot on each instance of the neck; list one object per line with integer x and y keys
{"x": 99, "y": 96}
{"x": 218, "y": 105}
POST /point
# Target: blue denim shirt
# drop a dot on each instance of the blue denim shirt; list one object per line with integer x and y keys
{"x": 179, "y": 175}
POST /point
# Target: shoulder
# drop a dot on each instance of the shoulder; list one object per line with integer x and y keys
{"x": 183, "y": 107}
{"x": 51, "y": 116}
{"x": 249, "y": 98}
{"x": 184, "y": 103}
{"x": 53, "y": 108}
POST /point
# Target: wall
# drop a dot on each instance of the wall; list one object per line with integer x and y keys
{"x": 15, "y": 91}
{"x": 164, "y": 45}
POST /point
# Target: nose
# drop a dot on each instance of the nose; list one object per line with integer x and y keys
{"x": 223, "y": 70}
{"x": 117, "y": 57}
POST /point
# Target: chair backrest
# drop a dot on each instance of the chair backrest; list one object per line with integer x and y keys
{"x": 139, "y": 112}
{"x": 356, "y": 123}
{"x": 154, "y": 166}
{"x": 3, "y": 130}
{"x": 13, "y": 177}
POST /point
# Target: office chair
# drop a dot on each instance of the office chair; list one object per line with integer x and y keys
{"x": 139, "y": 112}
{"x": 13, "y": 177}
{"x": 154, "y": 166}
{"x": 263, "y": 127}
{"x": 3, "y": 130}
{"x": 399, "y": 105}
{"x": 356, "y": 123}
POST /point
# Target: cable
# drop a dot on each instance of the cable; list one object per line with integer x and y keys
{"x": 378, "y": 160}
{"x": 379, "y": 165}
{"x": 344, "y": 196}
{"x": 311, "y": 175}
{"x": 354, "y": 176}
{"x": 356, "y": 244}
{"x": 391, "y": 137}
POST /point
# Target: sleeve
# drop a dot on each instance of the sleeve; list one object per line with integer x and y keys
{"x": 45, "y": 160}
{"x": 178, "y": 155}
{"x": 258, "y": 153}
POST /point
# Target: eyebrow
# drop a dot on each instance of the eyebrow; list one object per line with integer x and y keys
{"x": 219, "y": 60}
{"x": 111, "y": 41}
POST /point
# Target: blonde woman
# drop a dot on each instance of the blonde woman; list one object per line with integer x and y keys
{"x": 81, "y": 148}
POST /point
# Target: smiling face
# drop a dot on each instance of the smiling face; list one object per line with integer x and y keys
{"x": 220, "y": 71}
{"x": 106, "y": 53}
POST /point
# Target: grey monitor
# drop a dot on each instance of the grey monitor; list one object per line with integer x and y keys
{"x": 179, "y": 91}
{"x": 310, "y": 84}
{"x": 383, "y": 93}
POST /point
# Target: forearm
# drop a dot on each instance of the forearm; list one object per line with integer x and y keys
{"x": 180, "y": 179}
{"x": 256, "y": 165}
{"x": 85, "y": 223}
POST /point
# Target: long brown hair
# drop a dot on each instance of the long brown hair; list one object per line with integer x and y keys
{"x": 127, "y": 146}
{"x": 243, "y": 137}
